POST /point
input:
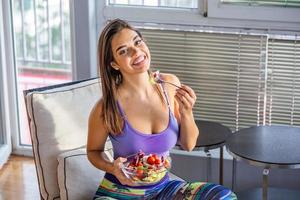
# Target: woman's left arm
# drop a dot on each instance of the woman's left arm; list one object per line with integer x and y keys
{"x": 185, "y": 99}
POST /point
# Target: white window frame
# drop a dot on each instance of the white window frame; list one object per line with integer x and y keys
{"x": 258, "y": 18}
{"x": 263, "y": 17}
{"x": 5, "y": 103}
{"x": 135, "y": 14}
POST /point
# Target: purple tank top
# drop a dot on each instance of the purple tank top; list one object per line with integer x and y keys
{"x": 131, "y": 141}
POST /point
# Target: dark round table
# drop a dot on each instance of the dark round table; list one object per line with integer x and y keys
{"x": 212, "y": 135}
{"x": 266, "y": 146}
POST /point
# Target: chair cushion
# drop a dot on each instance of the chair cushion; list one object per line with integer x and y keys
{"x": 58, "y": 119}
{"x": 78, "y": 179}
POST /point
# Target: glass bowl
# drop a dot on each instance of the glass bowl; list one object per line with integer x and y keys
{"x": 146, "y": 169}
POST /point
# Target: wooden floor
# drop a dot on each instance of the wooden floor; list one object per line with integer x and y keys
{"x": 18, "y": 179}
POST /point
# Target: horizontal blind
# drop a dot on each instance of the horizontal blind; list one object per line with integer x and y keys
{"x": 281, "y": 3}
{"x": 283, "y": 105}
{"x": 223, "y": 69}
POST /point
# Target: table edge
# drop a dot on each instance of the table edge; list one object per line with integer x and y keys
{"x": 261, "y": 163}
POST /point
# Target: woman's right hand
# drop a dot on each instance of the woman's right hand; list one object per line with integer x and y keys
{"x": 120, "y": 174}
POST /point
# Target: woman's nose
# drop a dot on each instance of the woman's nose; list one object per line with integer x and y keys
{"x": 133, "y": 51}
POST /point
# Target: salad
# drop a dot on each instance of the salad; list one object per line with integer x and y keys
{"x": 155, "y": 78}
{"x": 146, "y": 169}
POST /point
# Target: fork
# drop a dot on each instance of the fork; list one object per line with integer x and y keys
{"x": 177, "y": 86}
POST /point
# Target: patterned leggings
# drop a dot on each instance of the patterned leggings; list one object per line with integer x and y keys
{"x": 171, "y": 190}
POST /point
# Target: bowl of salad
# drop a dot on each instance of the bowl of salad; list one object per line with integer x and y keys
{"x": 146, "y": 169}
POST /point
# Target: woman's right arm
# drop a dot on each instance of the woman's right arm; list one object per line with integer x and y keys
{"x": 97, "y": 135}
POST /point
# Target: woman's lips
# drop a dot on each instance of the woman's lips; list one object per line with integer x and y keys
{"x": 139, "y": 60}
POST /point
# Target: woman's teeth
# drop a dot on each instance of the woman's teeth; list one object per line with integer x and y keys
{"x": 139, "y": 60}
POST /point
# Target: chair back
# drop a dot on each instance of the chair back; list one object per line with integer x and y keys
{"x": 58, "y": 119}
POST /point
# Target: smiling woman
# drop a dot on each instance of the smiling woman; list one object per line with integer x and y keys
{"x": 139, "y": 116}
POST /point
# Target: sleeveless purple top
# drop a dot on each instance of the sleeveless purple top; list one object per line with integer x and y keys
{"x": 131, "y": 141}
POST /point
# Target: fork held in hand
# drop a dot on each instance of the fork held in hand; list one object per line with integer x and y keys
{"x": 177, "y": 86}
{"x": 173, "y": 84}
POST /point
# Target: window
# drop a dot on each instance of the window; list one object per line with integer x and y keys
{"x": 42, "y": 48}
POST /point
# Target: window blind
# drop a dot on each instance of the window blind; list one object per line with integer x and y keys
{"x": 281, "y": 3}
{"x": 283, "y": 94}
{"x": 225, "y": 70}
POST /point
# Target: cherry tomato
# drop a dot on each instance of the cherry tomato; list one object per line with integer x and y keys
{"x": 157, "y": 161}
{"x": 139, "y": 172}
{"x": 151, "y": 160}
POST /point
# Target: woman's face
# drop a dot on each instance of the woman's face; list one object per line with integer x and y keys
{"x": 130, "y": 52}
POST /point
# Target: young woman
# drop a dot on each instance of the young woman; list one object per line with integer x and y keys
{"x": 138, "y": 115}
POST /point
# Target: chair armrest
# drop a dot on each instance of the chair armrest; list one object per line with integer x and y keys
{"x": 78, "y": 179}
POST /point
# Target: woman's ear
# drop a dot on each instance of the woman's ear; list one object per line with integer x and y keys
{"x": 114, "y": 65}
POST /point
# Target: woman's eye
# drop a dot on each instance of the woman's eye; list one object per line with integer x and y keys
{"x": 138, "y": 42}
{"x": 122, "y": 52}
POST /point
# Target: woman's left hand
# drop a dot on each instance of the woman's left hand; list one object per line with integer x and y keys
{"x": 186, "y": 99}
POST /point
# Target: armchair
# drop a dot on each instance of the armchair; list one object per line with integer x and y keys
{"x": 58, "y": 118}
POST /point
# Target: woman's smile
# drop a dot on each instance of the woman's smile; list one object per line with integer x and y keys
{"x": 139, "y": 61}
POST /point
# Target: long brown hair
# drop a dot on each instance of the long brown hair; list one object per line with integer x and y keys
{"x": 110, "y": 77}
